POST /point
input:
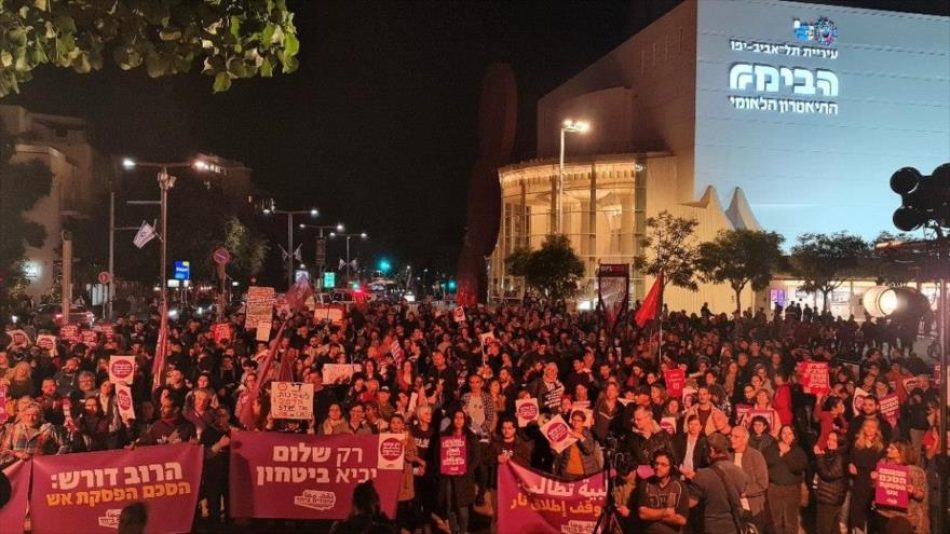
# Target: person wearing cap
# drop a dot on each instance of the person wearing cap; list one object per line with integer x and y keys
{"x": 717, "y": 487}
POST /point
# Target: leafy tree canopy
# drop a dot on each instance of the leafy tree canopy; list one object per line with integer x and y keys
{"x": 553, "y": 270}
{"x": 823, "y": 261}
{"x": 740, "y": 258}
{"x": 231, "y": 38}
{"x": 674, "y": 250}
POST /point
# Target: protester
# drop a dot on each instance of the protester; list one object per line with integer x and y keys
{"x": 663, "y": 503}
{"x": 901, "y": 452}
{"x": 580, "y": 459}
{"x": 831, "y": 486}
{"x": 787, "y": 463}
{"x": 457, "y": 492}
{"x": 716, "y": 488}
{"x": 754, "y": 465}
{"x": 867, "y": 450}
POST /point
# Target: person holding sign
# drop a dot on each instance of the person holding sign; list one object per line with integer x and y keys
{"x": 903, "y": 453}
{"x": 458, "y": 458}
{"x": 580, "y": 459}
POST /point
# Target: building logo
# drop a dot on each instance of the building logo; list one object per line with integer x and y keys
{"x": 822, "y": 31}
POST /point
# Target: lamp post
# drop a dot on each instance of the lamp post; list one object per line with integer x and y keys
{"x": 321, "y": 255}
{"x": 568, "y": 126}
{"x": 312, "y": 212}
{"x": 361, "y": 235}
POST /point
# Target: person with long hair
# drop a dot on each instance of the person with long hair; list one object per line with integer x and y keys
{"x": 787, "y": 463}
{"x": 831, "y": 484}
{"x": 457, "y": 492}
{"x": 335, "y": 423}
{"x": 867, "y": 450}
{"x": 916, "y": 515}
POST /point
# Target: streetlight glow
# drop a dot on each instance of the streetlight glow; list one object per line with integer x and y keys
{"x": 363, "y": 235}
{"x": 339, "y": 227}
{"x": 314, "y": 212}
{"x": 128, "y": 163}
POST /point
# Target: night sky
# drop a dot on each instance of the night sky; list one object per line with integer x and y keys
{"x": 377, "y": 127}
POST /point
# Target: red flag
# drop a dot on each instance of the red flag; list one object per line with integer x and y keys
{"x": 246, "y": 413}
{"x": 161, "y": 347}
{"x": 652, "y": 304}
{"x": 298, "y": 294}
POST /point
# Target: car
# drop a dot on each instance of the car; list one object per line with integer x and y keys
{"x": 50, "y": 316}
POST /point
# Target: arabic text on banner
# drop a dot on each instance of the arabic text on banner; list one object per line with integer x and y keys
{"x": 529, "y": 501}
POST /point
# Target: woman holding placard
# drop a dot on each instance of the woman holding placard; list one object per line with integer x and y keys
{"x": 458, "y": 460}
{"x": 902, "y": 453}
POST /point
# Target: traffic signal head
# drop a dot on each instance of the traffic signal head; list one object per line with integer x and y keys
{"x": 923, "y": 198}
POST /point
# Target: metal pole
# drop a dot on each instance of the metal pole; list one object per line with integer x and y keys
{"x": 560, "y": 187}
{"x": 321, "y": 265}
{"x": 290, "y": 250}
{"x": 66, "y": 283}
{"x": 942, "y": 458}
{"x": 165, "y": 182}
{"x": 111, "y": 284}
{"x": 347, "y": 260}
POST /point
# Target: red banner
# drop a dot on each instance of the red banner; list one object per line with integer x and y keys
{"x": 13, "y": 514}
{"x": 86, "y": 492}
{"x": 532, "y": 502}
{"x": 813, "y": 376}
{"x": 675, "y": 381}
{"x": 310, "y": 477}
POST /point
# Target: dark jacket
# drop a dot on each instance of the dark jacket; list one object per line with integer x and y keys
{"x": 700, "y": 457}
{"x": 588, "y": 450}
{"x": 522, "y": 451}
{"x": 832, "y": 484}
{"x": 641, "y": 448}
{"x": 786, "y": 470}
{"x": 463, "y": 486}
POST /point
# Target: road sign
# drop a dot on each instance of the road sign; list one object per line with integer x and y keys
{"x": 182, "y": 270}
{"x": 321, "y": 252}
{"x": 329, "y": 280}
{"x": 105, "y": 277}
{"x": 221, "y": 256}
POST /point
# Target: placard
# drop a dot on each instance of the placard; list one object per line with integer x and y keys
{"x": 46, "y": 342}
{"x": 69, "y": 332}
{"x": 89, "y": 337}
{"x": 263, "y": 331}
{"x": 221, "y": 332}
{"x": 891, "y": 408}
{"x": 689, "y": 396}
{"x": 814, "y": 378}
{"x": 742, "y": 414}
{"x": 668, "y": 424}
{"x": 333, "y": 314}
{"x": 19, "y": 338}
{"x": 121, "y": 369}
{"x": 891, "y": 489}
{"x": 857, "y": 400}
{"x": 768, "y": 415}
{"x": 291, "y": 400}
{"x": 452, "y": 456}
{"x": 675, "y": 381}
{"x": 527, "y": 411}
{"x": 259, "y": 307}
{"x": 334, "y": 373}
{"x": 392, "y": 450}
{"x": 4, "y": 415}
{"x": 459, "y": 314}
{"x": 531, "y": 502}
{"x": 558, "y": 434}
{"x": 124, "y": 400}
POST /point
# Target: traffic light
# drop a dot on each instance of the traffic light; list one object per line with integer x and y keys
{"x": 385, "y": 266}
{"x": 452, "y": 285}
{"x": 923, "y": 198}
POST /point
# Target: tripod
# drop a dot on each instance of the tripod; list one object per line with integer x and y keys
{"x": 608, "y": 522}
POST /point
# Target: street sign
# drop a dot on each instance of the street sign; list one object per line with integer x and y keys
{"x": 182, "y": 270}
{"x": 104, "y": 277}
{"x": 221, "y": 256}
{"x": 321, "y": 253}
{"x": 329, "y": 280}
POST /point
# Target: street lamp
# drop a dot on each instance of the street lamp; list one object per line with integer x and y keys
{"x": 568, "y": 126}
{"x": 165, "y": 182}
{"x": 361, "y": 235}
{"x": 272, "y": 210}
{"x": 321, "y": 255}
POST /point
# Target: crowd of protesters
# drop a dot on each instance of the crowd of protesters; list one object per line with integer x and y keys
{"x": 423, "y": 373}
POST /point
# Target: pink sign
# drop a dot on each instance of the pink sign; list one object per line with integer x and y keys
{"x": 527, "y": 411}
{"x": 528, "y": 501}
{"x": 768, "y": 415}
{"x": 307, "y": 476}
{"x": 675, "y": 381}
{"x": 813, "y": 376}
{"x": 89, "y": 337}
{"x": 668, "y": 424}
{"x": 891, "y": 408}
{"x": 558, "y": 434}
{"x": 121, "y": 369}
{"x": 221, "y": 332}
{"x": 85, "y": 492}
{"x": 13, "y": 514}
{"x": 891, "y": 490}
{"x": 69, "y": 332}
{"x": 3, "y": 404}
{"x": 452, "y": 456}
{"x": 742, "y": 414}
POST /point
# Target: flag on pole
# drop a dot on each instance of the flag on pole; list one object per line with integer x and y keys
{"x": 354, "y": 265}
{"x": 298, "y": 255}
{"x": 298, "y": 294}
{"x": 145, "y": 234}
{"x": 158, "y": 364}
{"x": 652, "y": 304}
{"x": 342, "y": 264}
{"x": 246, "y": 410}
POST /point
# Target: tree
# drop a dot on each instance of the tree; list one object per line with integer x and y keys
{"x": 674, "y": 252}
{"x": 248, "y": 249}
{"x": 823, "y": 261}
{"x": 552, "y": 270}
{"x": 21, "y": 186}
{"x": 231, "y": 38}
{"x": 740, "y": 258}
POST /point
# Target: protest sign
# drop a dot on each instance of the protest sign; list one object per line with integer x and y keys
{"x": 675, "y": 381}
{"x": 85, "y": 492}
{"x": 46, "y": 341}
{"x": 221, "y": 332}
{"x": 689, "y": 396}
{"x": 485, "y": 340}
{"x": 527, "y": 411}
{"x": 263, "y": 331}
{"x": 529, "y": 501}
{"x": 910, "y": 383}
{"x": 330, "y": 314}
{"x": 858, "y": 399}
{"x": 668, "y": 424}
{"x": 123, "y": 399}
{"x": 459, "y": 314}
{"x": 121, "y": 369}
{"x": 259, "y": 307}
{"x": 290, "y": 400}
{"x": 13, "y": 513}
{"x": 891, "y": 408}
{"x": 453, "y": 459}
{"x": 742, "y": 414}
{"x": 558, "y": 434}
{"x": 768, "y": 415}
{"x": 392, "y": 453}
{"x": 304, "y": 476}
{"x": 335, "y": 373}
{"x": 19, "y": 338}
{"x": 89, "y": 337}
{"x": 4, "y": 415}
{"x": 69, "y": 332}
{"x": 813, "y": 376}
{"x": 891, "y": 490}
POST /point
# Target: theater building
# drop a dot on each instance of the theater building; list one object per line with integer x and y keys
{"x": 797, "y": 113}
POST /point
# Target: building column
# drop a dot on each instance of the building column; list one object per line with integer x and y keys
{"x": 591, "y": 236}
{"x": 627, "y": 228}
{"x": 552, "y": 228}
{"x": 522, "y": 238}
